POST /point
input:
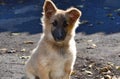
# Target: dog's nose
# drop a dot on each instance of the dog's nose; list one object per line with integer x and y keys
{"x": 59, "y": 35}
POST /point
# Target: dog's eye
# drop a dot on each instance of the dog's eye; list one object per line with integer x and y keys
{"x": 55, "y": 23}
{"x": 65, "y": 24}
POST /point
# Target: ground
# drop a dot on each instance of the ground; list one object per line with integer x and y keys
{"x": 97, "y": 37}
{"x": 98, "y": 55}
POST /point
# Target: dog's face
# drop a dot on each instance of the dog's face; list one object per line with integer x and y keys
{"x": 59, "y": 27}
{"x": 59, "y": 23}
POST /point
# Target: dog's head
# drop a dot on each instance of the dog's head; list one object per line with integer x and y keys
{"x": 59, "y": 25}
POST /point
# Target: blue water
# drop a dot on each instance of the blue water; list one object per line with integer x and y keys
{"x": 16, "y": 16}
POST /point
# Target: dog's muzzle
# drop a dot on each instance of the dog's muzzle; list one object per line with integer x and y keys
{"x": 59, "y": 35}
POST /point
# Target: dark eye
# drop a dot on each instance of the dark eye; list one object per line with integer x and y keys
{"x": 65, "y": 24}
{"x": 55, "y": 23}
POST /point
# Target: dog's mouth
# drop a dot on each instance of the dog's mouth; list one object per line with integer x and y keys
{"x": 59, "y": 39}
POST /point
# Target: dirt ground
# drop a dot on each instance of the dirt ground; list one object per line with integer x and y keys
{"x": 98, "y": 55}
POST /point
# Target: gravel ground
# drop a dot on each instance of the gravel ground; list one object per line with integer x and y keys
{"x": 98, "y": 55}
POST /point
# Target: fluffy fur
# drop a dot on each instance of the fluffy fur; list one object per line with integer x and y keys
{"x": 53, "y": 59}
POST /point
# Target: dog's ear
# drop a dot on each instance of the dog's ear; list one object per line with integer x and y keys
{"x": 73, "y": 14}
{"x": 49, "y": 8}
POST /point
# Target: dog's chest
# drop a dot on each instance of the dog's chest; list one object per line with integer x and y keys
{"x": 59, "y": 59}
{"x": 59, "y": 56}
{"x": 57, "y": 69}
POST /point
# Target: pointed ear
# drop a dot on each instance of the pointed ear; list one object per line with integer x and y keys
{"x": 73, "y": 14}
{"x": 49, "y": 8}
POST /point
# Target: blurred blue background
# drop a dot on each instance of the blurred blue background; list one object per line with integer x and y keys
{"x": 24, "y": 15}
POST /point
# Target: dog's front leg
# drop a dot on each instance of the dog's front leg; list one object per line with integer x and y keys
{"x": 68, "y": 69}
{"x": 43, "y": 73}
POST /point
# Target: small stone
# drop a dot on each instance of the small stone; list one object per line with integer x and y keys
{"x": 110, "y": 63}
{"x": 94, "y": 45}
{"x": 23, "y": 50}
{"x": 117, "y": 67}
{"x": 88, "y": 72}
{"x": 28, "y": 42}
{"x": 104, "y": 69}
{"x": 107, "y": 77}
{"x": 91, "y": 65}
{"x": 24, "y": 57}
{"x": 89, "y": 40}
{"x": 15, "y": 34}
{"x": 11, "y": 51}
{"x": 3, "y": 50}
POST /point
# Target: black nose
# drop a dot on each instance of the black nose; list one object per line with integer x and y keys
{"x": 59, "y": 35}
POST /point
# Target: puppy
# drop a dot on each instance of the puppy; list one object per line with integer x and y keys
{"x": 55, "y": 54}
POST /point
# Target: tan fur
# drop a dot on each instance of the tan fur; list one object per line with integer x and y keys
{"x": 51, "y": 59}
